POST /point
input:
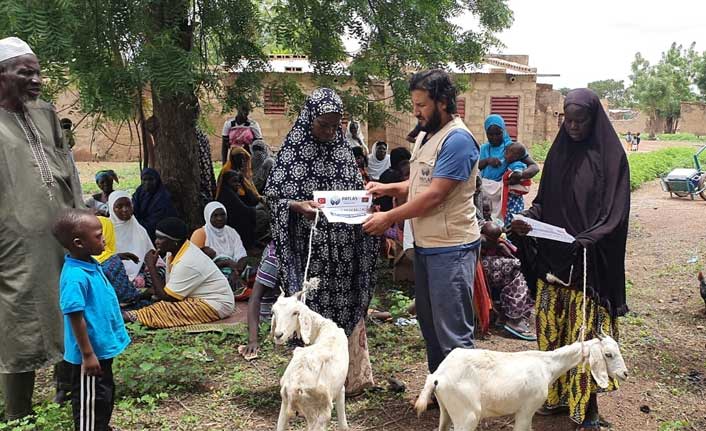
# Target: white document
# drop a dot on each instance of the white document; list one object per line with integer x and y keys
{"x": 546, "y": 231}
{"x": 350, "y": 207}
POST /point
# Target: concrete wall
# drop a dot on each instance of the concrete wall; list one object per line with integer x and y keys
{"x": 482, "y": 87}
{"x": 693, "y": 118}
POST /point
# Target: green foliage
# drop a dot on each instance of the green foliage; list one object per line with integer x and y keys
{"x": 612, "y": 90}
{"x": 157, "y": 362}
{"x": 564, "y": 91}
{"x": 659, "y": 89}
{"x": 540, "y": 150}
{"x": 646, "y": 167}
{"x": 399, "y": 302}
{"x": 47, "y": 417}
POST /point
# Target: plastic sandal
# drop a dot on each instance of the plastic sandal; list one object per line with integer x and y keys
{"x": 521, "y": 335}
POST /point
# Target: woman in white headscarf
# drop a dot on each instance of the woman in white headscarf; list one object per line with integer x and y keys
{"x": 130, "y": 236}
{"x": 355, "y": 137}
{"x": 220, "y": 242}
{"x": 378, "y": 160}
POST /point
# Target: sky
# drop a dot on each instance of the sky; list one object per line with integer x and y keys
{"x": 586, "y": 41}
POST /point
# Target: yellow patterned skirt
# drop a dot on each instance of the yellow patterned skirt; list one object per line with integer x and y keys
{"x": 559, "y": 320}
{"x": 165, "y": 314}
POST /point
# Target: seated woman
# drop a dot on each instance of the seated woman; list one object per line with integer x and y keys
{"x": 506, "y": 282}
{"x": 132, "y": 242}
{"x": 151, "y": 201}
{"x": 195, "y": 292}
{"x": 240, "y": 202}
{"x": 99, "y": 201}
{"x": 129, "y": 297}
{"x": 221, "y": 240}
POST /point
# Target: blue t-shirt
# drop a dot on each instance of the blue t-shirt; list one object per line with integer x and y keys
{"x": 517, "y": 166}
{"x": 83, "y": 287}
{"x": 458, "y": 155}
{"x": 491, "y": 172}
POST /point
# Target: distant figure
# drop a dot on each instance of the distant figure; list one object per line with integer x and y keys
{"x": 378, "y": 160}
{"x": 99, "y": 201}
{"x": 239, "y": 131}
{"x": 151, "y": 201}
{"x": 636, "y": 142}
{"x": 355, "y": 137}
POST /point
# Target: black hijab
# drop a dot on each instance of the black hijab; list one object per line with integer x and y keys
{"x": 585, "y": 188}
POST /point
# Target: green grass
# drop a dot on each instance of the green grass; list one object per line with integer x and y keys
{"x": 689, "y": 137}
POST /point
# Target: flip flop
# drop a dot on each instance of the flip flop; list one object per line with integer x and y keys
{"x": 553, "y": 411}
{"x": 588, "y": 425}
{"x": 527, "y": 336}
{"x": 247, "y": 357}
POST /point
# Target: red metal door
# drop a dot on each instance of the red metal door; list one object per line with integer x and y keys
{"x": 509, "y": 108}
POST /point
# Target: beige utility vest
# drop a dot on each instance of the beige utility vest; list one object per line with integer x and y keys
{"x": 454, "y": 221}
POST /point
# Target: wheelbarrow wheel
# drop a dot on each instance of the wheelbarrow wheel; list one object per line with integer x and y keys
{"x": 681, "y": 194}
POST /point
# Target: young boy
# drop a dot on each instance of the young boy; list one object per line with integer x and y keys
{"x": 94, "y": 331}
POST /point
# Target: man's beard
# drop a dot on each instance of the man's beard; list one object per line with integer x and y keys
{"x": 434, "y": 123}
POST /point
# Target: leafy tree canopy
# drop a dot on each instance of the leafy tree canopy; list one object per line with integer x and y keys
{"x": 612, "y": 90}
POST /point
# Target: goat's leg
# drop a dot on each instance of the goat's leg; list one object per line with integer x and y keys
{"x": 523, "y": 420}
{"x": 341, "y": 410}
{"x": 444, "y": 419}
{"x": 470, "y": 422}
{"x": 320, "y": 422}
{"x": 283, "y": 419}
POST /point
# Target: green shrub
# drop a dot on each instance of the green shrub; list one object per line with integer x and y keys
{"x": 646, "y": 167}
{"x": 539, "y": 151}
{"x": 46, "y": 417}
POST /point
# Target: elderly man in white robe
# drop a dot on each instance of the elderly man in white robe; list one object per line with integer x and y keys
{"x": 37, "y": 180}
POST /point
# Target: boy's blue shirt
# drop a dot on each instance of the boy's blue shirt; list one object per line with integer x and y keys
{"x": 83, "y": 287}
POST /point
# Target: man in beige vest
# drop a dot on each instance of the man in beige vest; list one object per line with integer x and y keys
{"x": 440, "y": 190}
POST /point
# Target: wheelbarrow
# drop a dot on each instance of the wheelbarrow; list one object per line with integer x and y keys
{"x": 686, "y": 182}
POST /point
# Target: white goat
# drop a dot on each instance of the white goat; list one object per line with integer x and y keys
{"x": 472, "y": 384}
{"x": 316, "y": 375}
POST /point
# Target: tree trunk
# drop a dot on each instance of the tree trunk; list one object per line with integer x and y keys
{"x": 177, "y": 154}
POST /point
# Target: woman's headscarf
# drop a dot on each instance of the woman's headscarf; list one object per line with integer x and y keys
{"x": 343, "y": 257}
{"x": 240, "y": 210}
{"x": 245, "y": 170}
{"x": 130, "y": 236}
{"x": 487, "y": 150}
{"x": 377, "y": 167}
{"x": 224, "y": 241}
{"x": 151, "y": 207}
{"x": 262, "y": 162}
{"x": 358, "y": 139}
{"x": 106, "y": 173}
{"x": 585, "y": 188}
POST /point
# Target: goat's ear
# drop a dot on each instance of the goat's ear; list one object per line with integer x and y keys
{"x": 305, "y": 327}
{"x": 298, "y": 295}
{"x": 599, "y": 368}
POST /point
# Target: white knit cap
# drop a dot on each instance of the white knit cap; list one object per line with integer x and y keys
{"x": 12, "y": 47}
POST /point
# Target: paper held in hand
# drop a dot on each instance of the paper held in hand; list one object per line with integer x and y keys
{"x": 350, "y": 206}
{"x": 547, "y": 231}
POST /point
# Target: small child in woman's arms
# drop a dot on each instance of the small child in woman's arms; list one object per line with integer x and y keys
{"x": 514, "y": 154}
{"x": 94, "y": 330}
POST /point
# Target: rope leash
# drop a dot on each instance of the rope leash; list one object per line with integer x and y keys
{"x": 551, "y": 278}
{"x": 314, "y": 283}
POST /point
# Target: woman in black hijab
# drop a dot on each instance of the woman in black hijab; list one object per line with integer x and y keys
{"x": 585, "y": 188}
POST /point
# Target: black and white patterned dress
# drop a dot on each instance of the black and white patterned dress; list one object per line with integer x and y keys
{"x": 343, "y": 257}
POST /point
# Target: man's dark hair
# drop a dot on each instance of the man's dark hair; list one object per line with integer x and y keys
{"x": 398, "y": 155}
{"x": 68, "y": 224}
{"x": 439, "y": 86}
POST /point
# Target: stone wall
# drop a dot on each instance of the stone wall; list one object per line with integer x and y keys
{"x": 693, "y": 118}
{"x": 549, "y": 113}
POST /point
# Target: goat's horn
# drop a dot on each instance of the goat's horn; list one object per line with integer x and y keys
{"x": 601, "y": 335}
